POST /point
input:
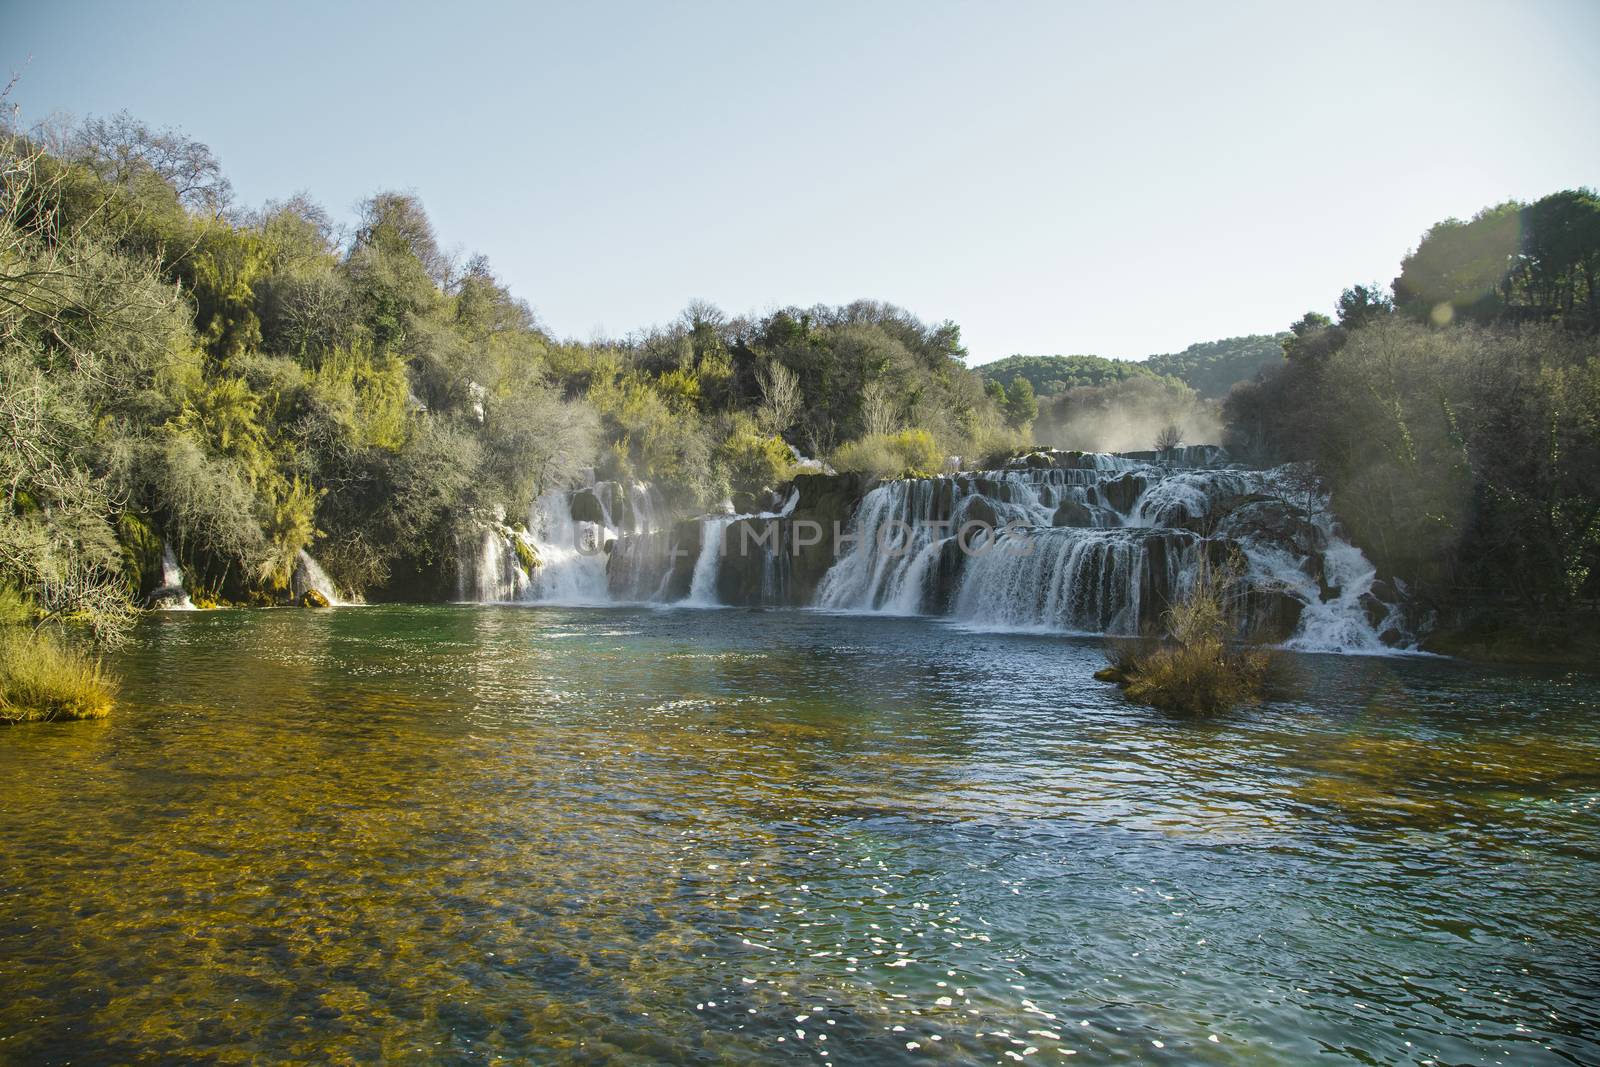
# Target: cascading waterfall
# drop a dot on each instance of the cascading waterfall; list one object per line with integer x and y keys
{"x": 309, "y": 576}
{"x": 570, "y": 554}
{"x": 170, "y": 596}
{"x": 564, "y": 554}
{"x": 1105, "y": 544}
{"x": 1079, "y": 580}
{"x": 717, "y": 541}
{"x": 703, "y": 580}
{"x": 1066, "y": 542}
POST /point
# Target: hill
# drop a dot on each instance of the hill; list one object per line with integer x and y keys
{"x": 1050, "y": 375}
{"x": 1210, "y": 368}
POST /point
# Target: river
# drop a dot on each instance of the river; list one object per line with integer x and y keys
{"x": 474, "y": 834}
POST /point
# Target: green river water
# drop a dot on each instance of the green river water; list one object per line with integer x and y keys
{"x": 545, "y": 835}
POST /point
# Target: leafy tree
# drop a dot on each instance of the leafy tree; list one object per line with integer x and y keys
{"x": 1021, "y": 406}
{"x": 1511, "y": 262}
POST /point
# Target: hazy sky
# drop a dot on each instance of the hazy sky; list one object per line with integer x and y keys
{"x": 1112, "y": 178}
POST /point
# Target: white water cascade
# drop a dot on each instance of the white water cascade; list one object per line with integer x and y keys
{"x": 715, "y": 546}
{"x": 703, "y": 580}
{"x": 309, "y": 576}
{"x": 1061, "y": 542}
{"x": 1098, "y": 543}
{"x": 564, "y": 554}
{"x": 170, "y": 595}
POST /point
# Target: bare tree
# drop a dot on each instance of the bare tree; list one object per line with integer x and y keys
{"x": 121, "y": 149}
{"x": 780, "y": 397}
{"x": 879, "y": 410}
{"x": 1170, "y": 437}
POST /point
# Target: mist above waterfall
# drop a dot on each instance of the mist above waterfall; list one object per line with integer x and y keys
{"x": 1126, "y": 416}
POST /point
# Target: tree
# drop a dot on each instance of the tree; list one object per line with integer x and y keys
{"x": 1313, "y": 338}
{"x": 1361, "y": 304}
{"x": 880, "y": 412}
{"x": 1511, "y": 262}
{"x": 780, "y": 397}
{"x": 121, "y": 150}
{"x": 1021, "y": 405}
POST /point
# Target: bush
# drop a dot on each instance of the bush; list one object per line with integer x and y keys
{"x": 907, "y": 454}
{"x": 42, "y": 680}
{"x": 1194, "y": 679}
{"x": 753, "y": 460}
{"x": 1197, "y": 668}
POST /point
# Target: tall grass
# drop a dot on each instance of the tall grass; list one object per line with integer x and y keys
{"x": 44, "y": 680}
{"x": 1198, "y": 668}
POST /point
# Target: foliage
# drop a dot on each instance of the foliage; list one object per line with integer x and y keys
{"x": 1458, "y": 426}
{"x": 1211, "y": 368}
{"x": 1052, "y": 375}
{"x": 752, "y": 460}
{"x": 242, "y": 382}
{"x": 1197, "y": 668}
{"x": 45, "y": 680}
{"x": 1021, "y": 406}
{"x": 907, "y": 454}
{"x": 1512, "y": 262}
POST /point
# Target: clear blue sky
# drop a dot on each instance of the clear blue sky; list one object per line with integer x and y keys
{"x": 1112, "y": 178}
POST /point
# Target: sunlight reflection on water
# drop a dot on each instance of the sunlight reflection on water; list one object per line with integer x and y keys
{"x": 587, "y": 835}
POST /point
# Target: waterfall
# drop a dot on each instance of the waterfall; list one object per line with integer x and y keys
{"x": 170, "y": 594}
{"x": 903, "y": 529}
{"x": 1076, "y": 580}
{"x": 579, "y": 547}
{"x": 703, "y": 583}
{"x": 309, "y": 576}
{"x": 1057, "y": 541}
{"x": 705, "y": 579}
{"x": 571, "y": 554}
{"x": 1094, "y": 543}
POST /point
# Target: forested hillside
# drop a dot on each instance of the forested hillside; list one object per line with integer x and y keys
{"x": 1210, "y": 368}
{"x": 1090, "y": 402}
{"x": 1458, "y": 424}
{"x": 241, "y": 384}
{"x": 1050, "y": 375}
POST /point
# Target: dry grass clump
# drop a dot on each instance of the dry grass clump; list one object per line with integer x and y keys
{"x": 43, "y": 680}
{"x": 1198, "y": 668}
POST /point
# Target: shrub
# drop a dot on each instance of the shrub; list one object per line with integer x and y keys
{"x": 907, "y": 454}
{"x": 42, "y": 680}
{"x": 754, "y": 460}
{"x": 1197, "y": 668}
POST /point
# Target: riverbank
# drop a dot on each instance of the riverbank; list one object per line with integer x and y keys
{"x": 1571, "y": 643}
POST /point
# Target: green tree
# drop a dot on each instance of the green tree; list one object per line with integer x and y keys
{"x": 1021, "y": 406}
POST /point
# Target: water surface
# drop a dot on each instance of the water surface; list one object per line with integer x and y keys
{"x": 477, "y": 834}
